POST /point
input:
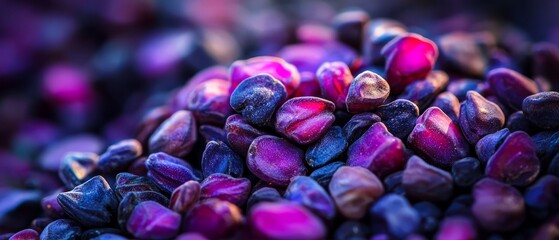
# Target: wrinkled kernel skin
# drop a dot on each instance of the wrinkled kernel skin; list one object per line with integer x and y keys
{"x": 61, "y": 229}
{"x": 449, "y": 104}
{"x": 151, "y": 220}
{"x": 26, "y": 234}
{"x": 77, "y": 167}
{"x": 542, "y": 109}
{"x": 399, "y": 116}
{"x": 225, "y": 187}
{"x": 92, "y": 204}
{"x": 497, "y": 206}
{"x": 132, "y": 199}
{"x": 213, "y": 218}
{"x": 120, "y": 154}
{"x": 377, "y": 150}
{"x": 219, "y": 158}
{"x": 168, "y": 172}
{"x": 334, "y": 79}
{"x": 400, "y": 219}
{"x": 176, "y": 135}
{"x": 212, "y": 133}
{"x": 327, "y": 148}
{"x": 307, "y": 192}
{"x": 515, "y": 162}
{"x": 305, "y": 119}
{"x": 278, "y": 68}
{"x": 185, "y": 196}
{"x": 257, "y": 98}
{"x": 423, "y": 92}
{"x": 479, "y": 117}
{"x": 408, "y": 58}
{"x": 354, "y": 189}
{"x": 511, "y": 87}
{"x": 366, "y": 92}
{"x": 284, "y": 220}
{"x": 359, "y": 124}
{"x": 240, "y": 134}
{"x": 438, "y": 138}
{"x": 209, "y": 101}
{"x": 150, "y": 122}
{"x": 127, "y": 182}
{"x": 488, "y": 145}
{"x": 275, "y": 160}
{"x": 424, "y": 182}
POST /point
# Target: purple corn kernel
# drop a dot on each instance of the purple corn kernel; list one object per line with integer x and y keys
{"x": 257, "y": 98}
{"x": 424, "y": 92}
{"x": 547, "y": 146}
{"x": 378, "y": 33}
{"x": 185, "y": 197}
{"x": 377, "y": 150}
{"x": 184, "y": 94}
{"x": 467, "y": 171}
{"x": 209, "y": 101}
{"x": 103, "y": 234}
{"x": 461, "y": 206}
{"x": 395, "y": 215}
{"x": 284, "y": 220}
{"x": 219, "y": 158}
{"x": 191, "y": 236}
{"x": 461, "y": 53}
{"x": 515, "y": 162}
{"x": 309, "y": 86}
{"x": 460, "y": 87}
{"x": 77, "y": 167}
{"x": 92, "y": 204}
{"x": 324, "y": 174}
{"x": 225, "y": 187}
{"x": 334, "y": 79}
{"x": 393, "y": 183}
{"x": 542, "y": 109}
{"x": 495, "y": 100}
{"x": 497, "y": 206}
{"x": 542, "y": 196}
{"x": 517, "y": 121}
{"x": 548, "y": 230}
{"x": 176, "y": 135}
{"x": 212, "y": 133}
{"x": 424, "y": 182}
{"x": 214, "y": 219}
{"x": 449, "y": 104}
{"x": 305, "y": 119}
{"x": 265, "y": 194}
{"x": 61, "y": 229}
{"x": 127, "y": 182}
{"x": 354, "y": 190}
{"x": 438, "y": 138}
{"x": 366, "y": 92}
{"x": 399, "y": 117}
{"x": 430, "y": 215}
{"x": 132, "y": 199}
{"x": 409, "y": 57}
{"x": 488, "y": 145}
{"x": 309, "y": 57}
{"x": 457, "y": 228}
{"x": 327, "y": 148}
{"x": 307, "y": 192}
{"x": 546, "y": 57}
{"x": 276, "y": 67}
{"x": 138, "y": 167}
{"x": 479, "y": 117}
{"x": 120, "y": 155}
{"x": 358, "y": 125}
{"x": 511, "y": 87}
{"x": 240, "y": 134}
{"x": 52, "y": 156}
{"x": 151, "y": 220}
{"x": 350, "y": 26}
{"x": 39, "y": 224}
{"x": 150, "y": 122}
{"x": 26, "y": 234}
{"x": 263, "y": 161}
{"x": 168, "y": 172}
{"x": 51, "y": 206}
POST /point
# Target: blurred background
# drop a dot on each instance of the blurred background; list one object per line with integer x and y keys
{"x": 81, "y": 74}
